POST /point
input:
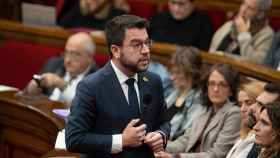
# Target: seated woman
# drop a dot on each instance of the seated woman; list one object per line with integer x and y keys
{"x": 213, "y": 133}
{"x": 184, "y": 102}
{"x": 247, "y": 94}
{"x": 267, "y": 131}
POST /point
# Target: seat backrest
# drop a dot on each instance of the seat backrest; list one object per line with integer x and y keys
{"x": 20, "y": 60}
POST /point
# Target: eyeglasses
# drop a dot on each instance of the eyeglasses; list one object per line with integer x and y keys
{"x": 220, "y": 85}
{"x": 138, "y": 45}
{"x": 72, "y": 55}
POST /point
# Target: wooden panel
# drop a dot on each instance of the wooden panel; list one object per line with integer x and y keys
{"x": 28, "y": 128}
{"x": 162, "y": 51}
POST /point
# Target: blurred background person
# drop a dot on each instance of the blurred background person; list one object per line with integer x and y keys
{"x": 270, "y": 94}
{"x": 267, "y": 131}
{"x": 248, "y": 35}
{"x": 214, "y": 133}
{"x": 60, "y": 76}
{"x": 246, "y": 96}
{"x": 90, "y": 14}
{"x": 184, "y": 102}
{"x": 182, "y": 24}
{"x": 273, "y": 57}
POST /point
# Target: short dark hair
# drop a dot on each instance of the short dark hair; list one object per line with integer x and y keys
{"x": 273, "y": 88}
{"x": 231, "y": 76}
{"x": 116, "y": 27}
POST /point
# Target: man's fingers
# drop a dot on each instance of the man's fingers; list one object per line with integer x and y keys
{"x": 133, "y": 122}
{"x": 141, "y": 127}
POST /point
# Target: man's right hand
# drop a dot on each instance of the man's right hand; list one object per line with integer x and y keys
{"x": 133, "y": 136}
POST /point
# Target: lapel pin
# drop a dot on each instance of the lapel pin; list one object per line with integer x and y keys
{"x": 145, "y": 79}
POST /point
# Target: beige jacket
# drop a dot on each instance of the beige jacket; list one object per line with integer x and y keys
{"x": 217, "y": 138}
{"x": 253, "y": 49}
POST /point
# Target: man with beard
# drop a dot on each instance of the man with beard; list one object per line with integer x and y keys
{"x": 248, "y": 36}
{"x": 90, "y": 14}
{"x": 118, "y": 111}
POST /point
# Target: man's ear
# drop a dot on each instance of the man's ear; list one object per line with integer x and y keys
{"x": 116, "y": 52}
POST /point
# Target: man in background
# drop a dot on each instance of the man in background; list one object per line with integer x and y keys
{"x": 60, "y": 76}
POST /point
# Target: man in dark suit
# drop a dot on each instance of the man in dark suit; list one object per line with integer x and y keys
{"x": 60, "y": 75}
{"x": 118, "y": 111}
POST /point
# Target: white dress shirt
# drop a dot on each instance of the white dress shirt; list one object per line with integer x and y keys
{"x": 69, "y": 91}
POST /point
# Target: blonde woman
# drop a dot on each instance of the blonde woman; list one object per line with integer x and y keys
{"x": 246, "y": 96}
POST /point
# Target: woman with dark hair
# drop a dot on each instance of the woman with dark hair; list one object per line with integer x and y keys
{"x": 267, "y": 130}
{"x": 214, "y": 132}
{"x": 184, "y": 102}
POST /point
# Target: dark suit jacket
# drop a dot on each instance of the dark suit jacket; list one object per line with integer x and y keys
{"x": 56, "y": 65}
{"x": 273, "y": 57}
{"x": 99, "y": 111}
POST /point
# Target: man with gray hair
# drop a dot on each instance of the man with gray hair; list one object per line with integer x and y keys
{"x": 248, "y": 35}
{"x": 60, "y": 76}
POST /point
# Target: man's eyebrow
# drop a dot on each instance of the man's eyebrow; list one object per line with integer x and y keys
{"x": 139, "y": 40}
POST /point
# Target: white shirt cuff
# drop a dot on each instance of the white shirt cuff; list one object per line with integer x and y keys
{"x": 116, "y": 144}
{"x": 244, "y": 36}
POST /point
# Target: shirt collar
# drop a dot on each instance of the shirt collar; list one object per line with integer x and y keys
{"x": 80, "y": 76}
{"x": 120, "y": 75}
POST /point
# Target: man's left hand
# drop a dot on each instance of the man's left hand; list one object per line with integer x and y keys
{"x": 155, "y": 141}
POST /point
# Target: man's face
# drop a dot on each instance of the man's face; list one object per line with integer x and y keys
{"x": 249, "y": 9}
{"x": 264, "y": 98}
{"x": 180, "y": 9}
{"x": 263, "y": 130}
{"x": 134, "y": 54}
{"x": 76, "y": 60}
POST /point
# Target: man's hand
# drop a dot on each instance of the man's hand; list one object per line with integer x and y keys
{"x": 155, "y": 141}
{"x": 50, "y": 80}
{"x": 133, "y": 136}
{"x": 241, "y": 24}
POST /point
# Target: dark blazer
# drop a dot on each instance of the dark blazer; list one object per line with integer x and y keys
{"x": 273, "y": 57}
{"x": 99, "y": 110}
{"x": 56, "y": 65}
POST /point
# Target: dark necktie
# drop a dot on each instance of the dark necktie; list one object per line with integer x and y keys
{"x": 132, "y": 98}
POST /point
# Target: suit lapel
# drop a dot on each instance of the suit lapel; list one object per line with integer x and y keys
{"x": 200, "y": 126}
{"x": 217, "y": 118}
{"x": 141, "y": 87}
{"x": 114, "y": 87}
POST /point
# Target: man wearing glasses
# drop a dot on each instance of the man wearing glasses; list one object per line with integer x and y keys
{"x": 60, "y": 76}
{"x": 118, "y": 112}
{"x": 270, "y": 94}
